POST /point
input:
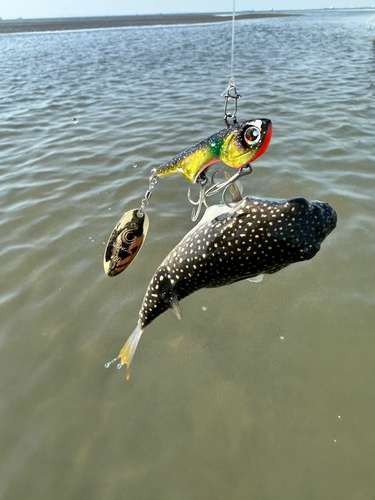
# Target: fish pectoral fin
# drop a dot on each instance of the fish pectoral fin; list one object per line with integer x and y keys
{"x": 174, "y": 304}
{"x": 127, "y": 352}
{"x": 256, "y": 279}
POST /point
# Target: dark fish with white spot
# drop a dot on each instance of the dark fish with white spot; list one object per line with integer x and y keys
{"x": 255, "y": 237}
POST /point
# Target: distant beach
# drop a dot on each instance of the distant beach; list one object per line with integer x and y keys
{"x": 87, "y": 23}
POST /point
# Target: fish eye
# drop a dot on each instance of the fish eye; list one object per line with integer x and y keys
{"x": 252, "y": 135}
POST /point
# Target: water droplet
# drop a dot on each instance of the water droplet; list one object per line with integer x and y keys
{"x": 204, "y": 308}
{"x": 119, "y": 366}
{"x": 74, "y": 120}
{"x": 110, "y": 209}
{"x": 338, "y": 416}
{"x": 335, "y": 440}
{"x": 135, "y": 165}
{"x": 281, "y": 338}
{"x": 107, "y": 365}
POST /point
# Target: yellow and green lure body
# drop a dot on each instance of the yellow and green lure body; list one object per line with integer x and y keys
{"x": 236, "y": 146}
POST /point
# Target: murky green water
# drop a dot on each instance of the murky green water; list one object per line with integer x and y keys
{"x": 263, "y": 390}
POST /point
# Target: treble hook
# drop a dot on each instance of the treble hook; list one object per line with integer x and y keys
{"x": 246, "y": 170}
{"x": 215, "y": 173}
{"x": 197, "y": 205}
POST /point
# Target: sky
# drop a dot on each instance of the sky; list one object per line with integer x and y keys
{"x": 13, "y": 9}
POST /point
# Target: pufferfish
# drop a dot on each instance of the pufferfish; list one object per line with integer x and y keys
{"x": 230, "y": 244}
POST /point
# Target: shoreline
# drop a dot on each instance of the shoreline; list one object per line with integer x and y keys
{"x": 87, "y": 23}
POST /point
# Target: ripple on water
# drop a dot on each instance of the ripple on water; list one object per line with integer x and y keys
{"x": 141, "y": 96}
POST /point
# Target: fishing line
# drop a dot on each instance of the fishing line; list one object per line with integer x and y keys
{"x": 230, "y": 117}
{"x": 232, "y": 62}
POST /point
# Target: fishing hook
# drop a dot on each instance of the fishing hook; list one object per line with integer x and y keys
{"x": 246, "y": 170}
{"x": 216, "y": 172}
{"x": 223, "y": 200}
{"x": 197, "y": 205}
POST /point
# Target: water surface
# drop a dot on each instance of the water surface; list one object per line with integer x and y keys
{"x": 263, "y": 390}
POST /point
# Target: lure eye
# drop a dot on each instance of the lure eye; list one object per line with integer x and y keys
{"x": 252, "y": 135}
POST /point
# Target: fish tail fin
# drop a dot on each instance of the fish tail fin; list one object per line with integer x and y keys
{"x": 127, "y": 352}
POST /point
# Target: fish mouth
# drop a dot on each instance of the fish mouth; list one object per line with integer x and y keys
{"x": 328, "y": 217}
{"x": 332, "y": 221}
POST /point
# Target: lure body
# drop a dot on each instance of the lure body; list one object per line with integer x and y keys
{"x": 235, "y": 146}
{"x": 231, "y": 244}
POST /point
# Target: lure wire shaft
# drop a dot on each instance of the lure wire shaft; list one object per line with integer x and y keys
{"x": 153, "y": 179}
{"x": 227, "y": 96}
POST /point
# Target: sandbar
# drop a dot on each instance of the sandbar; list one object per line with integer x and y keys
{"x": 87, "y": 23}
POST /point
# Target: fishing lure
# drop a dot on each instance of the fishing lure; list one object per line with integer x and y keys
{"x": 125, "y": 242}
{"x": 254, "y": 237}
{"x": 237, "y": 146}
